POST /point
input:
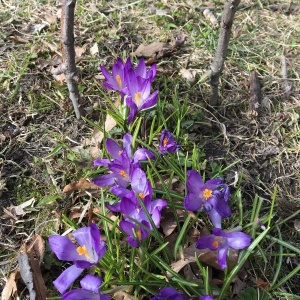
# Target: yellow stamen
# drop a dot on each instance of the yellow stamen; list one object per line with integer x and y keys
{"x": 137, "y": 97}
{"x": 81, "y": 250}
{"x": 217, "y": 241}
{"x": 124, "y": 174}
{"x": 119, "y": 80}
{"x": 165, "y": 141}
{"x": 141, "y": 195}
{"x": 207, "y": 194}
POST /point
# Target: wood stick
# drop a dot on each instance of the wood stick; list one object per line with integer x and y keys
{"x": 285, "y": 84}
{"x": 68, "y": 54}
{"x": 218, "y": 63}
{"x": 255, "y": 95}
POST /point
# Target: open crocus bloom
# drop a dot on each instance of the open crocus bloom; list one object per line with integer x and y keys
{"x": 89, "y": 251}
{"x": 90, "y": 290}
{"x": 167, "y": 143}
{"x": 116, "y": 81}
{"x": 139, "y": 97}
{"x": 211, "y": 195}
{"x": 169, "y": 293}
{"x": 221, "y": 241}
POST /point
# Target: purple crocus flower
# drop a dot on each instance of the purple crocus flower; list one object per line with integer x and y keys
{"x": 211, "y": 195}
{"x": 141, "y": 70}
{"x": 167, "y": 143}
{"x": 116, "y": 81}
{"x": 221, "y": 241}
{"x": 132, "y": 211}
{"x": 139, "y": 97}
{"x": 90, "y": 290}
{"x": 88, "y": 251}
{"x": 169, "y": 293}
{"x": 115, "y": 151}
{"x": 206, "y": 298}
{"x": 123, "y": 162}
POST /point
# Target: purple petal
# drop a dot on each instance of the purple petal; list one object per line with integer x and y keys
{"x": 63, "y": 248}
{"x": 192, "y": 202}
{"x": 113, "y": 207}
{"x": 194, "y": 181}
{"x": 132, "y": 241}
{"x": 215, "y": 218}
{"x": 127, "y": 142}
{"x": 223, "y": 208}
{"x": 141, "y": 69}
{"x": 215, "y": 181}
{"x": 138, "y": 180}
{"x": 127, "y": 227}
{"x": 222, "y": 258}
{"x": 66, "y": 278}
{"x": 120, "y": 191}
{"x": 127, "y": 206}
{"x": 113, "y": 148}
{"x": 104, "y": 162}
{"x": 206, "y": 298}
{"x": 91, "y": 283}
{"x": 80, "y": 294}
{"x": 150, "y": 101}
{"x": 208, "y": 242}
{"x": 104, "y": 180}
{"x": 238, "y": 240}
{"x": 143, "y": 154}
{"x": 97, "y": 244}
{"x": 133, "y": 110}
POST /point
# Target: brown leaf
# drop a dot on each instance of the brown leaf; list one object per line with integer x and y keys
{"x": 120, "y": 295}
{"x": 158, "y": 49}
{"x": 29, "y": 259}
{"x": 43, "y": 63}
{"x": 262, "y": 284}
{"x": 10, "y": 287}
{"x": 82, "y": 184}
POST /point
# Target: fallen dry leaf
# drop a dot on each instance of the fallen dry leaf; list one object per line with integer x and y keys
{"x": 189, "y": 75}
{"x": 79, "y": 51}
{"x": 94, "y": 50}
{"x": 30, "y": 259}
{"x": 82, "y": 184}
{"x": 10, "y": 287}
{"x": 262, "y": 284}
{"x": 154, "y": 49}
{"x": 19, "y": 39}
{"x": 211, "y": 18}
{"x": 120, "y": 295}
{"x": 297, "y": 224}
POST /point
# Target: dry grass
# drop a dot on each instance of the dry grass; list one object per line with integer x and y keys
{"x": 36, "y": 116}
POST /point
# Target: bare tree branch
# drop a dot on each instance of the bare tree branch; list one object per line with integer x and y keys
{"x": 221, "y": 52}
{"x": 68, "y": 51}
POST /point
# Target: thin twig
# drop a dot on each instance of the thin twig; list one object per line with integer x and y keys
{"x": 221, "y": 52}
{"x": 285, "y": 84}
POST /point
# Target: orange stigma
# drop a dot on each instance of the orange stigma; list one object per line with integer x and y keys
{"x": 137, "y": 98}
{"x": 165, "y": 141}
{"x": 81, "y": 250}
{"x": 119, "y": 81}
{"x": 141, "y": 195}
{"x": 215, "y": 244}
{"x": 124, "y": 174}
{"x": 207, "y": 194}
{"x": 139, "y": 234}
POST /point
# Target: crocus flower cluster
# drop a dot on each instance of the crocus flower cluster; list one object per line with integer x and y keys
{"x": 212, "y": 196}
{"x": 134, "y": 85}
{"x": 126, "y": 169}
{"x": 87, "y": 252}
